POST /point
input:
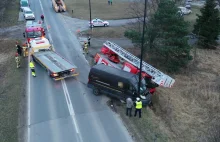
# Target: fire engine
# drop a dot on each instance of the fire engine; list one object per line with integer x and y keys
{"x": 115, "y": 56}
{"x": 33, "y": 30}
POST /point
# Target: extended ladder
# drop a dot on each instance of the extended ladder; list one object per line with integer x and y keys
{"x": 157, "y": 76}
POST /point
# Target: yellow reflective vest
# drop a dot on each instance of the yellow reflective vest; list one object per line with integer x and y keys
{"x": 138, "y": 105}
{"x": 31, "y": 64}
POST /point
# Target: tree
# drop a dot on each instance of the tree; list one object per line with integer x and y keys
{"x": 166, "y": 36}
{"x": 207, "y": 25}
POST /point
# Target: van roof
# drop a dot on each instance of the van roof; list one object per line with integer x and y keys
{"x": 112, "y": 70}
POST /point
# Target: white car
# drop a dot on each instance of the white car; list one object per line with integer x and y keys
{"x": 98, "y": 23}
{"x": 24, "y": 4}
{"x": 184, "y": 10}
{"x": 28, "y": 14}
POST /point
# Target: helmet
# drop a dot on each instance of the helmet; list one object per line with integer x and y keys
{"x": 16, "y": 54}
{"x": 138, "y": 99}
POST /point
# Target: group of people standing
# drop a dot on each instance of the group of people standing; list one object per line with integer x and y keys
{"x": 130, "y": 104}
{"x": 18, "y": 54}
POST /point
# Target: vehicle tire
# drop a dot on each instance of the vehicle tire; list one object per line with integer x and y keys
{"x": 105, "y": 25}
{"x": 48, "y": 72}
{"x": 96, "y": 91}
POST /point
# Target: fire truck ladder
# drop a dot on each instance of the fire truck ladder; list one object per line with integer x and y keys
{"x": 157, "y": 76}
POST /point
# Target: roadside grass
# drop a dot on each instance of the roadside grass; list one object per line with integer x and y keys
{"x": 191, "y": 18}
{"x": 10, "y": 14}
{"x": 99, "y": 9}
{"x": 146, "y": 129}
{"x": 11, "y": 90}
{"x": 106, "y": 32}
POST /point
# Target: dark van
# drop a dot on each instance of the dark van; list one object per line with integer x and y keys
{"x": 117, "y": 83}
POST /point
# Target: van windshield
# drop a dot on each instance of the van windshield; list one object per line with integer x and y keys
{"x": 143, "y": 88}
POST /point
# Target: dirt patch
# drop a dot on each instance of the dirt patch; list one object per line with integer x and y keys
{"x": 99, "y": 9}
{"x": 12, "y": 89}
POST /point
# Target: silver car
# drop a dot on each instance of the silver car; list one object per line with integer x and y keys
{"x": 28, "y": 14}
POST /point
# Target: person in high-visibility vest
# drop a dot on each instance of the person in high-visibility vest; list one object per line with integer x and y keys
{"x": 85, "y": 49}
{"x": 138, "y": 106}
{"x": 31, "y": 64}
{"x": 17, "y": 60}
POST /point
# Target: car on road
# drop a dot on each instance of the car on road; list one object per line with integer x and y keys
{"x": 28, "y": 14}
{"x": 98, "y": 23}
{"x": 23, "y": 4}
{"x": 184, "y": 10}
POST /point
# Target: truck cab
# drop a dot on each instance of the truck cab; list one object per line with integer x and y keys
{"x": 33, "y": 30}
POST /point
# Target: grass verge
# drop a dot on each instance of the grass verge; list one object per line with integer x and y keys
{"x": 11, "y": 89}
{"x": 106, "y": 32}
{"x": 191, "y": 18}
{"x": 99, "y": 9}
{"x": 10, "y": 13}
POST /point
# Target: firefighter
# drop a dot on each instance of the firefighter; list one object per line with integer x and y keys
{"x": 138, "y": 106}
{"x": 17, "y": 60}
{"x": 85, "y": 49}
{"x": 24, "y": 47}
{"x": 31, "y": 64}
{"x": 19, "y": 49}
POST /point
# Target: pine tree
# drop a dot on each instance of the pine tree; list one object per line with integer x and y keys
{"x": 207, "y": 25}
{"x": 166, "y": 36}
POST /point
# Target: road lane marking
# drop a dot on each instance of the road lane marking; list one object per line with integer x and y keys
{"x": 66, "y": 92}
{"x": 71, "y": 110}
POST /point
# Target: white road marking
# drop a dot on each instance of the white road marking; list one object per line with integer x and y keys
{"x": 70, "y": 107}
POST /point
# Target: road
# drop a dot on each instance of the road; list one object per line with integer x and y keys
{"x": 67, "y": 111}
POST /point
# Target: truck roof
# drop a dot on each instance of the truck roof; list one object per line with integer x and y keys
{"x": 30, "y": 29}
{"x": 32, "y": 24}
{"x": 114, "y": 71}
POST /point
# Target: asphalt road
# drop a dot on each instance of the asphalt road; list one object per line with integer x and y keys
{"x": 67, "y": 111}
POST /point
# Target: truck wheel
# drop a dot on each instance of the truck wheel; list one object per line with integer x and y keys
{"x": 105, "y": 25}
{"x": 96, "y": 91}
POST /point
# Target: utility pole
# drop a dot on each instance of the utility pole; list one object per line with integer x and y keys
{"x": 142, "y": 45}
{"x": 90, "y": 15}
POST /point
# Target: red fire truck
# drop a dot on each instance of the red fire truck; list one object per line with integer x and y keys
{"x": 113, "y": 55}
{"x": 33, "y": 30}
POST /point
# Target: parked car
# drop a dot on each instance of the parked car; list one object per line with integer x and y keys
{"x": 23, "y": 4}
{"x": 28, "y": 14}
{"x": 98, "y": 23}
{"x": 117, "y": 83}
{"x": 184, "y": 10}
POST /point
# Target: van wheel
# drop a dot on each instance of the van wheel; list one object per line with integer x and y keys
{"x": 96, "y": 91}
